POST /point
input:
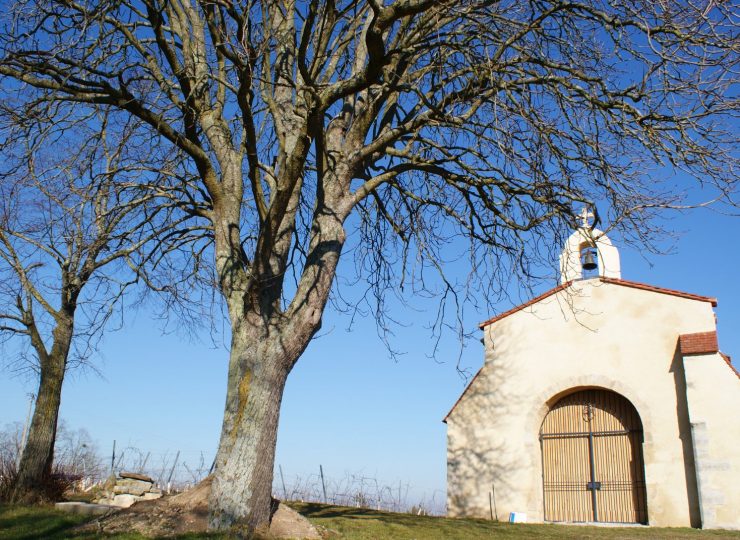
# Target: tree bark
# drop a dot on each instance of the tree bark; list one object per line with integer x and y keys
{"x": 37, "y": 457}
{"x": 242, "y": 487}
{"x": 266, "y": 343}
{"x": 38, "y": 453}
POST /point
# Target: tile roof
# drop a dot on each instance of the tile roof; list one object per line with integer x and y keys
{"x": 703, "y": 343}
{"x": 698, "y": 343}
{"x": 622, "y": 282}
{"x": 662, "y": 290}
{"x": 726, "y": 359}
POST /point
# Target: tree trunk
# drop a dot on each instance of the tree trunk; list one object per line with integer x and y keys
{"x": 241, "y": 492}
{"x": 38, "y": 453}
{"x": 265, "y": 345}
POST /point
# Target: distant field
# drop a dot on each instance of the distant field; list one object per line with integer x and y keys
{"x": 338, "y": 522}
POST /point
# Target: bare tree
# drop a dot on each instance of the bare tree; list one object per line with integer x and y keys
{"x": 72, "y": 219}
{"x": 76, "y": 455}
{"x": 405, "y": 126}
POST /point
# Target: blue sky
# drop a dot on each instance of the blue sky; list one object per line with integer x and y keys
{"x": 347, "y": 405}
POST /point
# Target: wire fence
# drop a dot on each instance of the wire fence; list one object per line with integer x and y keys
{"x": 172, "y": 473}
{"x": 358, "y": 490}
{"x": 77, "y": 457}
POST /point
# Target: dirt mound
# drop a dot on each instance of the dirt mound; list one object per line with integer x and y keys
{"x": 187, "y": 512}
{"x": 174, "y": 515}
{"x": 194, "y": 499}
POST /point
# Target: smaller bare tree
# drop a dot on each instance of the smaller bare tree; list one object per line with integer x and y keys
{"x": 74, "y": 215}
{"x": 76, "y": 455}
{"x": 11, "y": 442}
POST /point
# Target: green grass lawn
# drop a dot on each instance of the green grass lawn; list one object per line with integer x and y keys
{"x": 36, "y": 523}
{"x": 27, "y": 523}
{"x": 363, "y": 524}
{"x": 33, "y": 523}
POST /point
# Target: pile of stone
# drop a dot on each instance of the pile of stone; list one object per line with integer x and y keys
{"x": 127, "y": 488}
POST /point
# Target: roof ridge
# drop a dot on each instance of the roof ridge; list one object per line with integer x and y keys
{"x": 662, "y": 290}
{"x": 723, "y": 355}
{"x": 615, "y": 281}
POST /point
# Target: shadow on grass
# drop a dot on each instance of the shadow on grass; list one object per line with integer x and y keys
{"x": 367, "y": 524}
{"x": 323, "y": 511}
{"x": 45, "y": 522}
{"x": 316, "y": 510}
{"x": 25, "y": 523}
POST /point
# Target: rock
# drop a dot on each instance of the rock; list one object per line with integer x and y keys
{"x": 109, "y": 483}
{"x": 134, "y": 487}
{"x": 137, "y": 476}
{"x": 86, "y": 509}
{"x": 124, "y": 500}
{"x": 187, "y": 514}
{"x": 287, "y": 523}
{"x": 182, "y": 514}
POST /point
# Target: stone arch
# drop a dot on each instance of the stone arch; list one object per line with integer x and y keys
{"x": 540, "y": 405}
{"x": 556, "y": 390}
{"x": 592, "y": 458}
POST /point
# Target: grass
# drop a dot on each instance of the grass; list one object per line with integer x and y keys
{"x": 342, "y": 523}
{"x": 36, "y": 522}
{"x": 364, "y": 524}
{"x": 27, "y": 523}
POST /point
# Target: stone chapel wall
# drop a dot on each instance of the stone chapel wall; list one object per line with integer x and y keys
{"x": 713, "y": 397}
{"x": 594, "y": 334}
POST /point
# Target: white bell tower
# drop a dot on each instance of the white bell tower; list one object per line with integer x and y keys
{"x": 588, "y": 253}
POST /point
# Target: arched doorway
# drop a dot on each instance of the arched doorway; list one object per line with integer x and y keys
{"x": 592, "y": 467}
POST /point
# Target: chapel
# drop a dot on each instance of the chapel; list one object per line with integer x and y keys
{"x": 601, "y": 400}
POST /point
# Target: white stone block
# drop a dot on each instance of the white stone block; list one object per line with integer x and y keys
{"x": 124, "y": 500}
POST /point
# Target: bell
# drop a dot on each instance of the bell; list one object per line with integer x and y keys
{"x": 589, "y": 262}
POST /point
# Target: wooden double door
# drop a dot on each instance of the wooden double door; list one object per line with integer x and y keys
{"x": 592, "y": 460}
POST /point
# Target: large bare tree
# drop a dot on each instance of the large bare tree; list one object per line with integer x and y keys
{"x": 402, "y": 125}
{"x": 73, "y": 221}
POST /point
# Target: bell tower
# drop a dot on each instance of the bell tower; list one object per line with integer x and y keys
{"x": 589, "y": 253}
